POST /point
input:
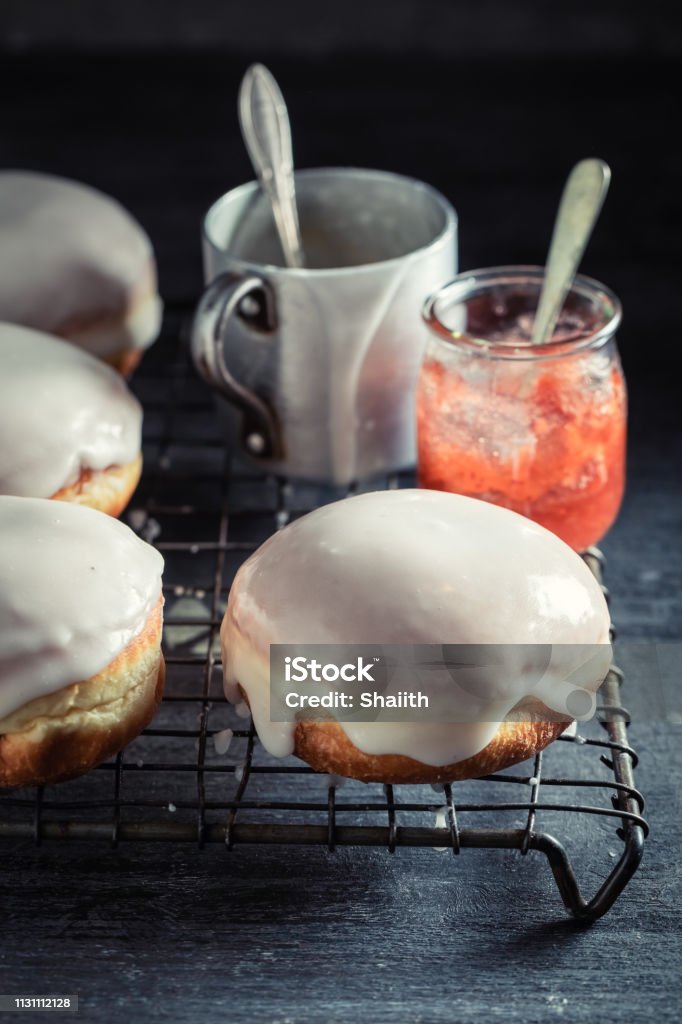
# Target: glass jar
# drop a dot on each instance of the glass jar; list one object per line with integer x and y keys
{"x": 540, "y": 429}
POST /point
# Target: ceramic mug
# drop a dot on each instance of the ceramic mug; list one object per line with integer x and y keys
{"x": 319, "y": 364}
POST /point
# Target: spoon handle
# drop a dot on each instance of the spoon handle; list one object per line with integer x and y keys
{"x": 267, "y": 135}
{"x": 581, "y": 201}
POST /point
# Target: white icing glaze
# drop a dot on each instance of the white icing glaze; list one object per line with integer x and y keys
{"x": 73, "y": 257}
{"x": 421, "y": 567}
{"x": 61, "y": 411}
{"x": 76, "y": 586}
{"x": 442, "y": 821}
{"x": 136, "y": 332}
{"x": 222, "y": 741}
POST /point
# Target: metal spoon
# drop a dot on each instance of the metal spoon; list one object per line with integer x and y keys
{"x": 581, "y": 201}
{"x": 267, "y": 135}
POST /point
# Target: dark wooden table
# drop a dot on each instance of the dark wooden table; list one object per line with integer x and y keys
{"x": 162, "y": 931}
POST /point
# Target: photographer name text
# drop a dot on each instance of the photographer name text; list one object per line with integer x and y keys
{"x": 300, "y": 670}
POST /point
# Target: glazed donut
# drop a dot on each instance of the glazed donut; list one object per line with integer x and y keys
{"x": 69, "y": 427}
{"x": 76, "y": 264}
{"x": 81, "y": 671}
{"x": 417, "y": 567}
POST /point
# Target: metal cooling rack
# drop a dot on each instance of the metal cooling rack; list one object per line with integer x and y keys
{"x": 181, "y": 781}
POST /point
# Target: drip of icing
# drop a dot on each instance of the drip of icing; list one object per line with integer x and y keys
{"x": 76, "y": 586}
{"x": 411, "y": 566}
{"x": 61, "y": 411}
{"x": 442, "y": 821}
{"x": 70, "y": 257}
{"x": 222, "y": 741}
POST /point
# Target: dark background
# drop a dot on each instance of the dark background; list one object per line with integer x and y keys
{"x": 492, "y": 102}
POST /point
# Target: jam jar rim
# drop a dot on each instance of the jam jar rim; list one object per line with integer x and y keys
{"x": 469, "y": 282}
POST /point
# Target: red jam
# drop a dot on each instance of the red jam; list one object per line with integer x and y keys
{"x": 545, "y": 437}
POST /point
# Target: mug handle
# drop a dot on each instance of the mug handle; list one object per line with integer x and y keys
{"x": 250, "y": 299}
